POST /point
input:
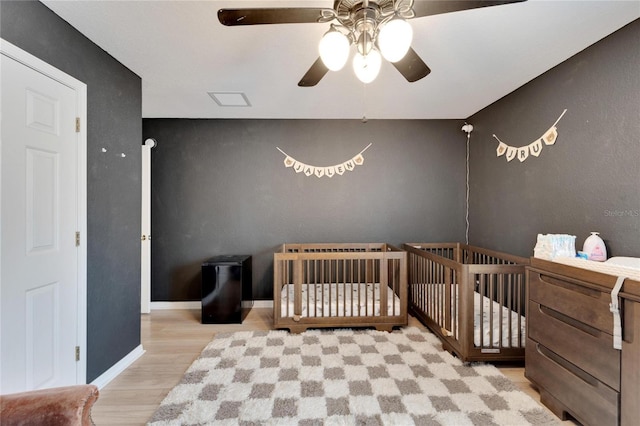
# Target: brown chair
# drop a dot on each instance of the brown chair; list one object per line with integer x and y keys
{"x": 69, "y": 405}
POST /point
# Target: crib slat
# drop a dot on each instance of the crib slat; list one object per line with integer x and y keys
{"x": 447, "y": 301}
{"x": 495, "y": 316}
{"x": 492, "y": 296}
{"x": 507, "y": 300}
{"x": 297, "y": 278}
{"x": 520, "y": 293}
{"x": 506, "y": 304}
{"x": 483, "y": 292}
{"x": 366, "y": 293}
{"x": 383, "y": 284}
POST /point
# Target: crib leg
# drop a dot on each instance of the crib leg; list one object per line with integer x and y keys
{"x": 387, "y": 328}
{"x": 297, "y": 329}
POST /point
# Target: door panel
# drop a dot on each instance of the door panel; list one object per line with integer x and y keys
{"x": 42, "y": 194}
{"x": 42, "y": 335}
{"x": 43, "y": 112}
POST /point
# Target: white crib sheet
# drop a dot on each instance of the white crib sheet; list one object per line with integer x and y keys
{"x": 488, "y": 306}
{"x": 359, "y": 300}
{"x": 486, "y": 327}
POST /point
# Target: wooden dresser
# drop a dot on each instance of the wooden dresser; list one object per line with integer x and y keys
{"x": 570, "y": 356}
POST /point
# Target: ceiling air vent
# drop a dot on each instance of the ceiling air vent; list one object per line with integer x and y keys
{"x": 230, "y": 99}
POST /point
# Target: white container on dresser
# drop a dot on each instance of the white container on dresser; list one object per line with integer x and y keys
{"x": 570, "y": 356}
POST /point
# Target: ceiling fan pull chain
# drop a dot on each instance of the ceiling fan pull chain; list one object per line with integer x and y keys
{"x": 364, "y": 103}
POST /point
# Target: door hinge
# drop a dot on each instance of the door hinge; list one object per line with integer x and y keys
{"x": 77, "y": 124}
{"x": 77, "y": 353}
{"x": 77, "y": 238}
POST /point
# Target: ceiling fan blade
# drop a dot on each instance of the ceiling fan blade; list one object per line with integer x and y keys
{"x": 437, "y": 7}
{"x": 232, "y": 17}
{"x": 412, "y": 67}
{"x": 314, "y": 75}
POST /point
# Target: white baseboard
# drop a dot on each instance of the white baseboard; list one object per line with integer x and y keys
{"x": 118, "y": 367}
{"x": 132, "y": 356}
{"x": 198, "y": 305}
{"x": 263, "y": 304}
{"x": 176, "y": 305}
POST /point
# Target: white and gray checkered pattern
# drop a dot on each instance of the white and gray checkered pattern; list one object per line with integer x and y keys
{"x": 342, "y": 377}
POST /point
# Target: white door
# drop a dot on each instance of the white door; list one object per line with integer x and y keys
{"x": 41, "y": 260}
{"x": 145, "y": 251}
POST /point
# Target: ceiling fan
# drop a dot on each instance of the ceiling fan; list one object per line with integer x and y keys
{"x": 377, "y": 28}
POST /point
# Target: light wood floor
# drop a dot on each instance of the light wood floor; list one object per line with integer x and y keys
{"x": 173, "y": 339}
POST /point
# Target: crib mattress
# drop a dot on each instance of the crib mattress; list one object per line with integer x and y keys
{"x": 338, "y": 300}
{"x": 490, "y": 332}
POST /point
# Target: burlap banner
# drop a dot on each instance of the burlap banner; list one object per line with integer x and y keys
{"x": 534, "y": 148}
{"x": 321, "y": 171}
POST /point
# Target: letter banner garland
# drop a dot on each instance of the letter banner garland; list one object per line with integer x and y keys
{"x": 330, "y": 171}
{"x": 534, "y": 148}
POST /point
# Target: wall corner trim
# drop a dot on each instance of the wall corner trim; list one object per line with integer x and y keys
{"x": 106, "y": 377}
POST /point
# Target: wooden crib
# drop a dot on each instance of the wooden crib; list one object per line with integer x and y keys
{"x": 472, "y": 298}
{"x": 339, "y": 285}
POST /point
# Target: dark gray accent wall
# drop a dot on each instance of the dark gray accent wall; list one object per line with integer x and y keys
{"x": 590, "y": 179}
{"x": 113, "y": 205}
{"x": 221, "y": 187}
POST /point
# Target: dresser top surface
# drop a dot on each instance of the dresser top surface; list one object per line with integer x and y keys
{"x": 605, "y": 281}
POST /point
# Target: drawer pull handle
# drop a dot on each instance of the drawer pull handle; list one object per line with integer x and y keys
{"x": 569, "y": 285}
{"x": 569, "y": 321}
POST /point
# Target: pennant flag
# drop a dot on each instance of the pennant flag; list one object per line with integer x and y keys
{"x": 550, "y": 136}
{"x": 523, "y": 153}
{"x": 330, "y": 171}
{"x": 350, "y": 165}
{"x": 298, "y": 166}
{"x": 502, "y": 148}
{"x": 511, "y": 153}
{"x": 535, "y": 148}
{"x": 309, "y": 170}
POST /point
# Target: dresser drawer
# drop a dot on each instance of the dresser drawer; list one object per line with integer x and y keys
{"x": 590, "y": 401}
{"x": 586, "y": 347}
{"x": 582, "y": 303}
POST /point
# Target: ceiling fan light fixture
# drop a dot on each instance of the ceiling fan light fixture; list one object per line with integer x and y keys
{"x": 365, "y": 43}
{"x": 394, "y": 39}
{"x": 334, "y": 49}
{"x": 367, "y": 66}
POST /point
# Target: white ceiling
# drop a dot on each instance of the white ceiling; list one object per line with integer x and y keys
{"x": 181, "y": 52}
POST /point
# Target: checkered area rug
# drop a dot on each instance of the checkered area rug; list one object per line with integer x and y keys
{"x": 342, "y": 377}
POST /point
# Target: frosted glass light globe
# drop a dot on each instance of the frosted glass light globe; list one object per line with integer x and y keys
{"x": 394, "y": 39}
{"x": 367, "y": 67}
{"x": 334, "y": 50}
